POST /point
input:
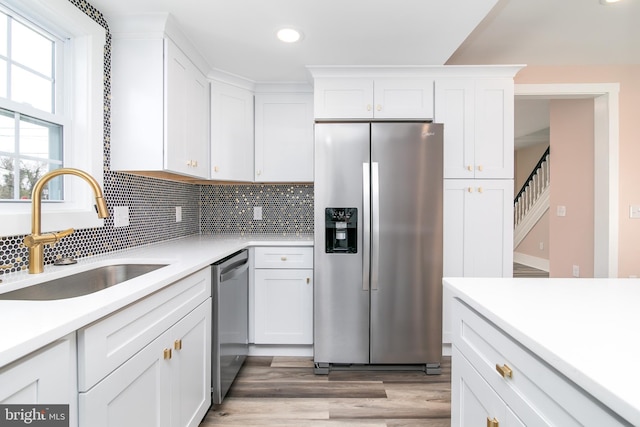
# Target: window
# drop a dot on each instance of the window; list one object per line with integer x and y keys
{"x": 30, "y": 146}
{"x": 51, "y": 112}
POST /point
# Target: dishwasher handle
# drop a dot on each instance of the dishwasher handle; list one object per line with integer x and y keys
{"x": 234, "y": 270}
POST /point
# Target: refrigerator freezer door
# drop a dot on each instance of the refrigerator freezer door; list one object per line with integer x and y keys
{"x": 341, "y": 305}
{"x": 406, "y": 310}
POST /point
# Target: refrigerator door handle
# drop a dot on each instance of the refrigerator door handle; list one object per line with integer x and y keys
{"x": 366, "y": 225}
{"x": 375, "y": 225}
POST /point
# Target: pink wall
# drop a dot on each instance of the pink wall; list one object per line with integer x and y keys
{"x": 571, "y": 139}
{"x": 530, "y": 245}
{"x": 629, "y": 142}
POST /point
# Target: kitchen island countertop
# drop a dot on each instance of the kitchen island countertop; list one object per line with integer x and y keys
{"x": 584, "y": 328}
{"x": 30, "y": 325}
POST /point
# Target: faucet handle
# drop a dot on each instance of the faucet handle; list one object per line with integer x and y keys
{"x": 64, "y": 233}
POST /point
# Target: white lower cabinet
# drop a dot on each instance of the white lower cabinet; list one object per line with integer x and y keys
{"x": 283, "y": 295}
{"x": 475, "y": 401}
{"x": 150, "y": 363}
{"x": 46, "y": 376}
{"x": 495, "y": 377}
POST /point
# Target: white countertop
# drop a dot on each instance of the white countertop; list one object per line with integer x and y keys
{"x": 585, "y": 328}
{"x": 26, "y": 326}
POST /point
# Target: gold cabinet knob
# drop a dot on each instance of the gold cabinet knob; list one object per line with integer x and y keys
{"x": 283, "y": 258}
{"x": 470, "y": 189}
{"x": 368, "y": 107}
{"x": 469, "y": 168}
{"x": 177, "y": 344}
{"x": 167, "y": 353}
{"x": 480, "y": 190}
{"x": 308, "y": 280}
{"x": 505, "y": 371}
{"x": 379, "y": 107}
{"x": 216, "y": 169}
{"x": 480, "y": 168}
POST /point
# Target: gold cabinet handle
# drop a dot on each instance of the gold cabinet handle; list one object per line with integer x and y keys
{"x": 216, "y": 169}
{"x": 492, "y": 422}
{"x": 470, "y": 189}
{"x": 283, "y": 258}
{"x": 177, "y": 344}
{"x": 308, "y": 280}
{"x": 469, "y": 168}
{"x": 167, "y": 353}
{"x": 480, "y": 168}
{"x": 505, "y": 371}
{"x": 479, "y": 189}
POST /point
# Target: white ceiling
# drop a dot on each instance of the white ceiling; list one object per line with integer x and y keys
{"x": 238, "y": 36}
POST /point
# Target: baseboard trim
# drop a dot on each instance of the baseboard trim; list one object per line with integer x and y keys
{"x": 280, "y": 350}
{"x": 531, "y": 261}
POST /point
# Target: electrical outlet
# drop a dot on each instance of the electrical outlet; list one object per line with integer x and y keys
{"x": 121, "y": 216}
{"x": 634, "y": 211}
{"x": 178, "y": 213}
{"x": 541, "y": 246}
{"x": 561, "y": 211}
{"x": 257, "y": 213}
{"x": 576, "y": 271}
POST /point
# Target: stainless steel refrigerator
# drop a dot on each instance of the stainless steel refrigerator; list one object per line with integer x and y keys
{"x": 378, "y": 245}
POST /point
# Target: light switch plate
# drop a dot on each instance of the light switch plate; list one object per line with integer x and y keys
{"x": 561, "y": 211}
{"x": 257, "y": 213}
{"x": 634, "y": 211}
{"x": 178, "y": 213}
{"x": 121, "y": 216}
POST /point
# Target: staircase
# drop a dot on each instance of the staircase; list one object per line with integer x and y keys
{"x": 532, "y": 201}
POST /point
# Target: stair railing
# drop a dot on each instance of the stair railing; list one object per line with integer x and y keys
{"x": 532, "y": 188}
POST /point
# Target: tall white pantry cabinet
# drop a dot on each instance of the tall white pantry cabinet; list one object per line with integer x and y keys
{"x": 477, "y": 112}
{"x": 475, "y": 104}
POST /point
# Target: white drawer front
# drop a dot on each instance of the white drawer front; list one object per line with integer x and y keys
{"x": 108, "y": 343}
{"x": 536, "y": 392}
{"x": 283, "y": 257}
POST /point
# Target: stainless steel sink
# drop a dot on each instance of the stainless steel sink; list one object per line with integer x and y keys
{"x": 84, "y": 283}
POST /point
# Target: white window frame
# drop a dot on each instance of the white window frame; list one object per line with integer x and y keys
{"x": 84, "y": 105}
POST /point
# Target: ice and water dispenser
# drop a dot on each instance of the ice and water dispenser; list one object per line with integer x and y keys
{"x": 341, "y": 230}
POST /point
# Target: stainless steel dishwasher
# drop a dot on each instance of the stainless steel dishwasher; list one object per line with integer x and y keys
{"x": 230, "y": 321}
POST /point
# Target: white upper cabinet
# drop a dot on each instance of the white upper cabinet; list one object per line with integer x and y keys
{"x": 231, "y": 133}
{"x": 379, "y": 98}
{"x": 159, "y": 108}
{"x": 284, "y": 137}
{"x": 478, "y": 126}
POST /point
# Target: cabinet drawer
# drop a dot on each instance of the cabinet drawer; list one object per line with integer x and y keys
{"x": 283, "y": 257}
{"x": 108, "y": 343}
{"x": 535, "y": 391}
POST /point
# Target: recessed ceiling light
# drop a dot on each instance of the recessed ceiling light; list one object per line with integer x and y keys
{"x": 607, "y": 2}
{"x": 289, "y": 35}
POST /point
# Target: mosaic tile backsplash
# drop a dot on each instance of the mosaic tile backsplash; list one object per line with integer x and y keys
{"x": 287, "y": 209}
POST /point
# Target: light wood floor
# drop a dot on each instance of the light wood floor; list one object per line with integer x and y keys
{"x": 283, "y": 391}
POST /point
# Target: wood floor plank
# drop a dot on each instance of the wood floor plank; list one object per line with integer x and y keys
{"x": 292, "y": 362}
{"x": 315, "y": 389}
{"x": 440, "y": 391}
{"x": 268, "y": 374}
{"x": 386, "y": 408}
